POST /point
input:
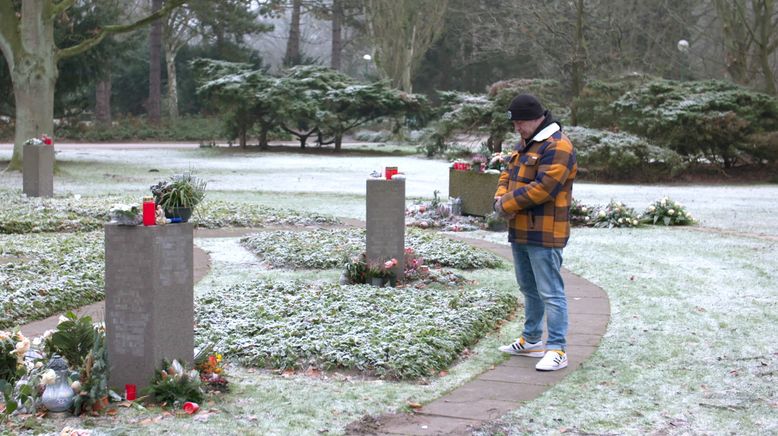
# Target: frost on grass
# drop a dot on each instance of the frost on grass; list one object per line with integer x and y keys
{"x": 691, "y": 343}
{"x": 41, "y": 275}
{"x": 20, "y": 214}
{"x": 323, "y": 249}
{"x": 390, "y": 332}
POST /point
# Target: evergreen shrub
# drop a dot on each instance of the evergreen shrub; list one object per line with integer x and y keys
{"x": 608, "y": 155}
{"x": 701, "y": 119}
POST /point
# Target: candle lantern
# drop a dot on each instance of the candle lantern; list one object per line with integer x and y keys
{"x": 58, "y": 396}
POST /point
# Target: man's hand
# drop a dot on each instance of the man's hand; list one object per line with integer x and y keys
{"x": 500, "y": 211}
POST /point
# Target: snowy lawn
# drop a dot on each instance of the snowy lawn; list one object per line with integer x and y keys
{"x": 322, "y": 249}
{"x": 691, "y": 346}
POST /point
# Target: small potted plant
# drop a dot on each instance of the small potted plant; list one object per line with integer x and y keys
{"x": 179, "y": 195}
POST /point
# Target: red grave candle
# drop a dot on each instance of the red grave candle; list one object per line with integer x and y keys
{"x": 149, "y": 211}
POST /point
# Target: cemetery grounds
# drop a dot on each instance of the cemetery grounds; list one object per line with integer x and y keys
{"x": 691, "y": 346}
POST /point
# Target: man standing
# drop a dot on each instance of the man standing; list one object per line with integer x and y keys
{"x": 535, "y": 193}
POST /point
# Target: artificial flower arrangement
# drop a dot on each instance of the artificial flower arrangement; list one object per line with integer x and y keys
{"x": 580, "y": 214}
{"x": 668, "y": 213}
{"x": 173, "y": 385}
{"x": 481, "y": 162}
{"x": 126, "y": 214}
{"x": 616, "y": 214}
{"x": 209, "y": 364}
{"x": 40, "y": 140}
{"x": 414, "y": 268}
{"x": 359, "y": 270}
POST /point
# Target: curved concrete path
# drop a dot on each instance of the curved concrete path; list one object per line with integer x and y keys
{"x": 490, "y": 395}
{"x": 508, "y": 385}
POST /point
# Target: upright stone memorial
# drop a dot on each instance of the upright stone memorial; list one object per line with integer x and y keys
{"x": 149, "y": 303}
{"x": 38, "y": 170}
{"x": 386, "y": 222}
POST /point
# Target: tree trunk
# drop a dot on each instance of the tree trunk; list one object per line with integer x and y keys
{"x": 337, "y": 43}
{"x": 577, "y": 73}
{"x": 103, "y": 97}
{"x": 33, "y": 73}
{"x": 407, "y": 86}
{"x": 34, "y": 96}
{"x": 263, "y": 131}
{"x": 154, "y": 107}
{"x": 172, "y": 84}
{"x": 242, "y": 136}
{"x": 338, "y": 141}
{"x": 293, "y": 45}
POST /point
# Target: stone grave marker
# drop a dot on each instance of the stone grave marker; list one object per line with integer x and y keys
{"x": 38, "y": 170}
{"x": 386, "y": 222}
{"x": 149, "y": 299}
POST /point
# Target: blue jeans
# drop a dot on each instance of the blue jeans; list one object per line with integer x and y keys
{"x": 540, "y": 280}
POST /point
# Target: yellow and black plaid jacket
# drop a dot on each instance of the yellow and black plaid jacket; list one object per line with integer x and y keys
{"x": 537, "y": 186}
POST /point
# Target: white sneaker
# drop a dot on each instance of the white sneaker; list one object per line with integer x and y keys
{"x": 524, "y": 348}
{"x": 553, "y": 360}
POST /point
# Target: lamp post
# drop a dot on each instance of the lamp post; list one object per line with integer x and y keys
{"x": 367, "y": 59}
{"x": 683, "y": 47}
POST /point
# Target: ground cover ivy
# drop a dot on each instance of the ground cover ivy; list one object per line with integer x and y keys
{"x": 41, "y": 275}
{"x": 20, "y": 214}
{"x": 331, "y": 248}
{"x": 402, "y": 333}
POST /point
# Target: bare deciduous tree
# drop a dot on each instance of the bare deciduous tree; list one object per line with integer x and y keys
{"x": 402, "y": 31}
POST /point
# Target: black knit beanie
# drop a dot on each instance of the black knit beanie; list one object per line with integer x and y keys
{"x": 525, "y": 107}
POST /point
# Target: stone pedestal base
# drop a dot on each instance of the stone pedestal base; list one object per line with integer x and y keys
{"x": 149, "y": 303}
{"x": 476, "y": 190}
{"x": 386, "y": 222}
{"x": 38, "y": 170}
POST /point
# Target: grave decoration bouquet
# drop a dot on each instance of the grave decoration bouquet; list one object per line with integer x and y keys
{"x": 126, "y": 214}
{"x": 173, "y": 385}
{"x": 356, "y": 270}
{"x": 616, "y": 214}
{"x": 209, "y": 364}
{"x": 381, "y": 270}
{"x": 667, "y": 212}
{"x": 414, "y": 266}
{"x": 581, "y": 214}
{"x": 41, "y": 140}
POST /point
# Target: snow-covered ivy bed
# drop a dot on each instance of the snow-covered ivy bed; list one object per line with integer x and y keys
{"x": 400, "y": 333}
{"x": 20, "y": 214}
{"x": 330, "y": 248}
{"x": 45, "y": 274}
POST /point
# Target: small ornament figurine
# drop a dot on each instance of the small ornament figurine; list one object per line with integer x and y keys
{"x": 161, "y": 219}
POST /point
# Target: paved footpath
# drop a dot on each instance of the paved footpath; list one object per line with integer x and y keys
{"x": 508, "y": 385}
{"x": 490, "y": 395}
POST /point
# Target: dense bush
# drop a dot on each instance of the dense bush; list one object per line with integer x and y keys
{"x": 486, "y": 114}
{"x": 594, "y": 107}
{"x": 198, "y": 129}
{"x": 709, "y": 119}
{"x": 608, "y": 155}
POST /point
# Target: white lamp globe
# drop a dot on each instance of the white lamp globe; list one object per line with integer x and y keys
{"x": 683, "y": 46}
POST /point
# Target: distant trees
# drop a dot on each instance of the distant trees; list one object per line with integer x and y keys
{"x": 402, "y": 32}
{"x": 32, "y": 55}
{"x": 306, "y": 101}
